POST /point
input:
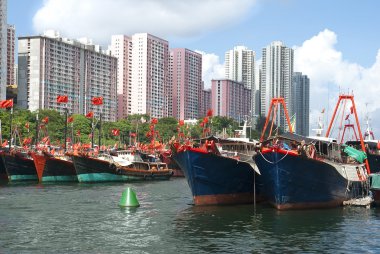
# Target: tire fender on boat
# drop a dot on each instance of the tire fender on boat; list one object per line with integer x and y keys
{"x": 310, "y": 151}
{"x": 113, "y": 167}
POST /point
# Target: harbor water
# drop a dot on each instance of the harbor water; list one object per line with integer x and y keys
{"x": 86, "y": 218}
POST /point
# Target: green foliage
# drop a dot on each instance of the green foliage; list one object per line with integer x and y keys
{"x": 140, "y": 124}
{"x": 221, "y": 122}
{"x": 167, "y": 128}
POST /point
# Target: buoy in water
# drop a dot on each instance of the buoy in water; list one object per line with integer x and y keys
{"x": 128, "y": 199}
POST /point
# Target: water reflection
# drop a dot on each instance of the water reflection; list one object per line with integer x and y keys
{"x": 82, "y": 218}
{"x": 234, "y": 228}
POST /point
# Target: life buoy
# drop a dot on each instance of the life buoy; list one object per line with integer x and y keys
{"x": 210, "y": 147}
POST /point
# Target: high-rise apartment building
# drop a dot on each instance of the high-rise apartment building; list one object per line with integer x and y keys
{"x": 15, "y": 73}
{"x": 151, "y": 90}
{"x": 230, "y": 98}
{"x": 240, "y": 66}
{"x": 276, "y": 78}
{"x": 3, "y": 48}
{"x": 50, "y": 66}
{"x": 205, "y": 102}
{"x": 301, "y": 103}
{"x": 11, "y": 55}
{"x": 186, "y": 83}
{"x": 121, "y": 48}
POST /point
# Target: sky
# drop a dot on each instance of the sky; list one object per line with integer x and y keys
{"x": 336, "y": 43}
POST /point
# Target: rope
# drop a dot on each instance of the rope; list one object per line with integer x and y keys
{"x": 287, "y": 152}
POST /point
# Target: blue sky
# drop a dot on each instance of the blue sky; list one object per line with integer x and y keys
{"x": 336, "y": 42}
{"x": 356, "y": 24}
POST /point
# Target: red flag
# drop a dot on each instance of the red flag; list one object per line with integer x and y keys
{"x": 27, "y": 125}
{"x": 62, "y": 99}
{"x": 70, "y": 119}
{"x": 90, "y": 114}
{"x": 202, "y": 124}
{"x": 45, "y": 120}
{"x": 209, "y": 112}
{"x": 115, "y": 132}
{"x": 6, "y": 103}
{"x": 46, "y": 140}
{"x": 154, "y": 121}
{"x": 5, "y": 143}
{"x": 97, "y": 100}
{"x": 205, "y": 120}
{"x": 78, "y": 133}
{"x": 181, "y": 122}
{"x": 26, "y": 141}
{"x": 132, "y": 134}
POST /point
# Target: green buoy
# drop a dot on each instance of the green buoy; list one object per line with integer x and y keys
{"x": 128, "y": 199}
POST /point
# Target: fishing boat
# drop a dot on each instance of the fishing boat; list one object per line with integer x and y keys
{"x": 118, "y": 166}
{"x": 54, "y": 168}
{"x": 217, "y": 171}
{"x": 19, "y": 165}
{"x": 17, "y": 161}
{"x": 372, "y": 147}
{"x": 298, "y": 172}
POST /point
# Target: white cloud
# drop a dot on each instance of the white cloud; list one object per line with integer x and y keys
{"x": 211, "y": 68}
{"x": 99, "y": 19}
{"x": 330, "y": 75}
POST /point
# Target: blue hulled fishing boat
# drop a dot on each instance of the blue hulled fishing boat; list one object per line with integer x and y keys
{"x": 220, "y": 170}
{"x": 216, "y": 179}
{"x": 300, "y": 172}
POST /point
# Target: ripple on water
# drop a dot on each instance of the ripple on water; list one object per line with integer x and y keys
{"x": 85, "y": 218}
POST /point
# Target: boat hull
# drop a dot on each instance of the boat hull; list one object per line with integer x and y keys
{"x": 217, "y": 180}
{"x": 19, "y": 168}
{"x": 375, "y": 188}
{"x": 374, "y": 162}
{"x": 59, "y": 170}
{"x": 95, "y": 170}
{"x": 52, "y": 169}
{"x": 3, "y": 171}
{"x": 296, "y": 182}
{"x": 166, "y": 157}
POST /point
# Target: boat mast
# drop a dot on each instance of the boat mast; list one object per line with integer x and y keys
{"x": 100, "y": 130}
{"x": 10, "y": 128}
{"x": 368, "y": 135}
{"x": 275, "y": 102}
{"x": 351, "y": 98}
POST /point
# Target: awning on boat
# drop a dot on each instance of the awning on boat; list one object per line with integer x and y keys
{"x": 223, "y": 140}
{"x": 360, "y": 156}
{"x": 299, "y": 138}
